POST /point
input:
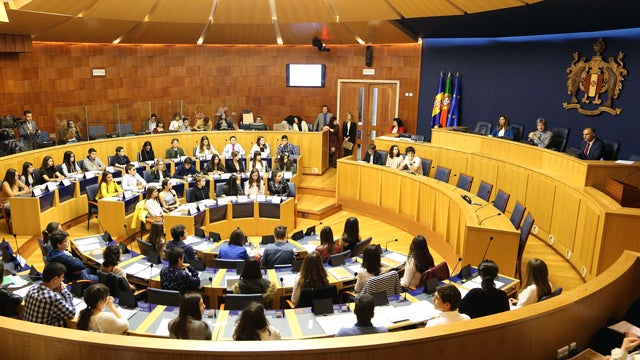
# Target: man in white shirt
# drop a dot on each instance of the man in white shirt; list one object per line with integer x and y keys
{"x": 231, "y": 147}
{"x": 447, "y": 299}
{"x": 175, "y": 123}
{"x": 411, "y": 163}
{"x": 131, "y": 180}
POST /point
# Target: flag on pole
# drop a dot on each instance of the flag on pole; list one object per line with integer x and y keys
{"x": 452, "y": 119}
{"x": 437, "y": 103}
{"x": 446, "y": 101}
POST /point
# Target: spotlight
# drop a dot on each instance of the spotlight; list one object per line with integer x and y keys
{"x": 319, "y": 45}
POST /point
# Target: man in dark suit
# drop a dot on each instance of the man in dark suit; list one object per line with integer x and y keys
{"x": 593, "y": 147}
{"x": 372, "y": 156}
{"x": 28, "y": 131}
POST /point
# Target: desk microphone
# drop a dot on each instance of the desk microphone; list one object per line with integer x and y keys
{"x": 211, "y": 283}
{"x": 386, "y": 245}
{"x": 489, "y": 217}
{"x": 404, "y": 293}
{"x": 19, "y": 265}
{"x": 453, "y": 272}
{"x": 483, "y": 206}
{"x": 486, "y": 249}
{"x": 150, "y": 271}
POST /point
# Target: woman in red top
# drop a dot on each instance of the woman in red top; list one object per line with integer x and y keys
{"x": 397, "y": 127}
{"x": 327, "y": 246}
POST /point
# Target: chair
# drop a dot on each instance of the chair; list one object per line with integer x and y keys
{"x": 292, "y": 189}
{"x": 554, "y": 293}
{"x": 440, "y": 271}
{"x": 517, "y": 214}
{"x": 92, "y": 204}
{"x": 124, "y": 129}
{"x": 502, "y": 198}
{"x": 189, "y": 191}
{"x": 219, "y": 189}
{"x": 525, "y": 230}
{"x": 163, "y": 297}
{"x": 146, "y": 174}
{"x": 119, "y": 288}
{"x": 611, "y": 150}
{"x": 426, "y": 166}
{"x": 484, "y": 190}
{"x": 518, "y": 130}
{"x": 227, "y": 263}
{"x": 442, "y": 174}
{"x": 44, "y": 140}
{"x": 240, "y": 301}
{"x": 388, "y": 282}
{"x": 308, "y": 295}
{"x": 147, "y": 249}
{"x": 464, "y": 182}
{"x": 384, "y": 156}
{"x": 483, "y": 127}
{"x": 559, "y": 139}
{"x": 296, "y": 149}
{"x": 359, "y": 248}
{"x": 96, "y": 132}
{"x": 43, "y": 249}
{"x": 338, "y": 259}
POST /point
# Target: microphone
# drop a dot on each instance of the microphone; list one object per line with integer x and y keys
{"x": 150, "y": 270}
{"x": 489, "y": 217}
{"x": 453, "y": 272}
{"x": 386, "y": 245}
{"x": 404, "y": 293}
{"x": 18, "y": 257}
{"x": 486, "y": 249}
{"x": 483, "y": 206}
{"x": 211, "y": 283}
{"x": 466, "y": 198}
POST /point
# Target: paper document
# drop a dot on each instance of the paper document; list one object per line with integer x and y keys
{"x": 624, "y": 327}
{"x": 332, "y": 323}
{"x": 396, "y": 257}
{"x": 288, "y": 279}
{"x": 163, "y": 328}
{"x": 23, "y": 292}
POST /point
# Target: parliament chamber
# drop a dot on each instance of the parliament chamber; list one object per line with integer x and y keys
{"x": 564, "y": 194}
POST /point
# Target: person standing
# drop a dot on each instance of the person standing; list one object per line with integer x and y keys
{"x": 322, "y": 119}
{"x": 348, "y": 133}
{"x": 28, "y": 131}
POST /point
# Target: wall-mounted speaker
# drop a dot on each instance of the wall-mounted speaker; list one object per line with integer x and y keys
{"x": 368, "y": 56}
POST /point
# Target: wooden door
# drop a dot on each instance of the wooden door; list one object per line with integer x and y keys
{"x": 373, "y": 106}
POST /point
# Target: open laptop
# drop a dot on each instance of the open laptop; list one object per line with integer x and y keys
{"x": 380, "y": 298}
{"x": 431, "y": 285}
{"x": 322, "y": 306}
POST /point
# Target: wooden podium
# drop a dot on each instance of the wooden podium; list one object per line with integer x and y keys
{"x": 625, "y": 194}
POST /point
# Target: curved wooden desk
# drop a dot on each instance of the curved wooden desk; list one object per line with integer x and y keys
{"x": 562, "y": 192}
{"x": 427, "y": 205}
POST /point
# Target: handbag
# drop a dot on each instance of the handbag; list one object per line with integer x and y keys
{"x": 347, "y": 144}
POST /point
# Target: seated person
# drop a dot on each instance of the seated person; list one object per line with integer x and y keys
{"x": 198, "y": 192}
{"x": 159, "y": 171}
{"x": 168, "y": 197}
{"x": 224, "y": 123}
{"x": 174, "y": 125}
{"x": 147, "y": 154}
{"x": 12, "y": 186}
{"x": 372, "y": 156}
{"x": 503, "y": 128}
{"x": 236, "y": 165}
{"x": 93, "y": 318}
{"x": 283, "y": 163}
{"x": 215, "y": 166}
{"x": 174, "y": 151}
{"x": 110, "y": 261}
{"x": 185, "y": 125}
{"x": 312, "y": 275}
{"x": 286, "y": 147}
{"x": 235, "y": 250}
{"x": 185, "y": 170}
{"x": 131, "y": 180}
{"x": 371, "y": 267}
{"x": 446, "y": 300}
{"x": 252, "y": 282}
{"x": 75, "y": 268}
{"x": 204, "y": 124}
{"x": 630, "y": 342}
{"x": 542, "y": 136}
{"x": 48, "y": 171}
{"x": 119, "y": 160}
{"x": 108, "y": 187}
{"x": 149, "y": 125}
{"x": 411, "y": 163}
{"x": 364, "y": 311}
{"x": 253, "y": 325}
{"x": 9, "y": 301}
{"x": 69, "y": 165}
{"x": 592, "y": 148}
{"x": 205, "y": 149}
{"x": 536, "y": 284}
{"x": 395, "y": 159}
{"x": 155, "y": 212}
{"x": 231, "y": 147}
{"x": 92, "y": 162}
{"x": 189, "y": 324}
{"x": 351, "y": 233}
{"x": 280, "y": 252}
{"x": 70, "y": 133}
{"x": 327, "y": 245}
{"x": 261, "y": 146}
{"x": 178, "y": 236}
{"x": 278, "y": 185}
{"x": 257, "y": 162}
{"x": 178, "y": 276}
{"x": 486, "y": 300}
{"x": 419, "y": 260}
{"x": 254, "y": 185}
{"x": 50, "y": 303}
{"x": 233, "y": 186}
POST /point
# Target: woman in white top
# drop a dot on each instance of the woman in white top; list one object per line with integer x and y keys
{"x": 630, "y": 342}
{"x": 154, "y": 209}
{"x": 92, "y": 318}
{"x": 257, "y": 162}
{"x": 411, "y": 163}
{"x": 168, "y": 197}
{"x": 371, "y": 266}
{"x": 419, "y": 260}
{"x": 394, "y": 159}
{"x": 253, "y": 325}
{"x": 131, "y": 180}
{"x": 27, "y": 177}
{"x": 205, "y": 149}
{"x": 254, "y": 186}
{"x": 69, "y": 165}
{"x": 174, "y": 125}
{"x": 262, "y": 147}
{"x": 535, "y": 286}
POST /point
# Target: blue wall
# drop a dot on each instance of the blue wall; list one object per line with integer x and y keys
{"x": 525, "y": 78}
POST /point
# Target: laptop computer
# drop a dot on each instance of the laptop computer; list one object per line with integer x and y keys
{"x": 322, "y": 306}
{"x": 431, "y": 285}
{"x": 380, "y": 298}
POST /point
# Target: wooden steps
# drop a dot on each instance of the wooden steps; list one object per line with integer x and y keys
{"x": 316, "y": 207}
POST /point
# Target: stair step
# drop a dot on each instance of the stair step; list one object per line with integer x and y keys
{"x": 316, "y": 207}
{"x": 316, "y": 191}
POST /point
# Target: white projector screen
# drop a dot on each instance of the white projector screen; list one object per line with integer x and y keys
{"x": 305, "y": 75}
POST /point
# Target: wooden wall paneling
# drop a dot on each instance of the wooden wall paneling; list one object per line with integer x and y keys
{"x": 409, "y": 189}
{"x": 348, "y": 177}
{"x": 370, "y": 185}
{"x": 587, "y": 234}
{"x": 620, "y": 232}
{"x": 564, "y": 219}
{"x": 427, "y": 210}
{"x": 540, "y": 192}
{"x": 442, "y": 217}
{"x": 513, "y": 180}
{"x": 482, "y": 169}
{"x": 390, "y": 194}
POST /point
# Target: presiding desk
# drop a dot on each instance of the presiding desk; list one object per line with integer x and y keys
{"x": 563, "y": 193}
{"x": 436, "y": 209}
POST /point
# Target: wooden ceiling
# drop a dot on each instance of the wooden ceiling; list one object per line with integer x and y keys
{"x": 231, "y": 21}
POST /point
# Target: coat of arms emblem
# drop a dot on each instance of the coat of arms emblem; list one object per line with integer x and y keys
{"x": 595, "y": 83}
